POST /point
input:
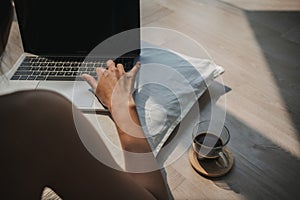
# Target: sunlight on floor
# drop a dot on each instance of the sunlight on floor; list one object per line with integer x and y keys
{"x": 272, "y": 120}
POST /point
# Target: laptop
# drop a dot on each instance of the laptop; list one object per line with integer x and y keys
{"x": 60, "y": 37}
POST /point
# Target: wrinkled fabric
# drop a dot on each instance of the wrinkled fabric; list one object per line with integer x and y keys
{"x": 167, "y": 85}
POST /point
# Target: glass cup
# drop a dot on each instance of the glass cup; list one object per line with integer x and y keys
{"x": 209, "y": 140}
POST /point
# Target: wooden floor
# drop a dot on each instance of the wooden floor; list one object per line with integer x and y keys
{"x": 258, "y": 44}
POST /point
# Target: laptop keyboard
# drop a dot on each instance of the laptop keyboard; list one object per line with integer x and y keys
{"x": 62, "y": 68}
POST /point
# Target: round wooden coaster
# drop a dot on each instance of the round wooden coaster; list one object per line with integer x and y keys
{"x": 211, "y": 167}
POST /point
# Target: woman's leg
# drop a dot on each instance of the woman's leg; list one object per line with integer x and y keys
{"x": 40, "y": 146}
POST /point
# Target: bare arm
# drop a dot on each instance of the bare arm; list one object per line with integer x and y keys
{"x": 114, "y": 89}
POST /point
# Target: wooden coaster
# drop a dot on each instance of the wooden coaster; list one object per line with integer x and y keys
{"x": 211, "y": 167}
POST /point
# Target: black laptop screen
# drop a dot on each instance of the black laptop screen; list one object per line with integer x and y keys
{"x": 73, "y": 27}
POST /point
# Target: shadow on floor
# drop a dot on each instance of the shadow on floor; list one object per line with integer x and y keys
{"x": 262, "y": 170}
{"x": 278, "y": 35}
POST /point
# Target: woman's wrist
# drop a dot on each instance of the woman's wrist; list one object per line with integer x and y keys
{"x": 118, "y": 105}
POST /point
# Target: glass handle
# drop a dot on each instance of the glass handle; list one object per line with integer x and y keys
{"x": 224, "y": 159}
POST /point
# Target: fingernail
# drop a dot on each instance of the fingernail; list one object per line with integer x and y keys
{"x": 109, "y": 62}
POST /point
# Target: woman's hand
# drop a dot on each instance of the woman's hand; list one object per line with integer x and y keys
{"x": 114, "y": 90}
{"x": 114, "y": 86}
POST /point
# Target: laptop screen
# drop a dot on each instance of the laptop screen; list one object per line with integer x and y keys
{"x": 74, "y": 27}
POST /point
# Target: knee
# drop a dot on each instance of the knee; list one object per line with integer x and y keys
{"x": 31, "y": 108}
{"x": 43, "y": 103}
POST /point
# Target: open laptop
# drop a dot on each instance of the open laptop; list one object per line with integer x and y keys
{"x": 58, "y": 37}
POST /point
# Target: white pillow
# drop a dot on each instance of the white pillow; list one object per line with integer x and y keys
{"x": 168, "y": 84}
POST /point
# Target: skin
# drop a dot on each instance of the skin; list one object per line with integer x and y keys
{"x": 39, "y": 149}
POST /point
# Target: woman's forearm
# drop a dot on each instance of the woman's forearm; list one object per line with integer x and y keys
{"x": 152, "y": 180}
{"x": 125, "y": 116}
{"x": 114, "y": 89}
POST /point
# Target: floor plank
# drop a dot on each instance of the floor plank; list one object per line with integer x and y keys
{"x": 262, "y": 69}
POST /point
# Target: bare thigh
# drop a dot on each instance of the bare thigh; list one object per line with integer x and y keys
{"x": 40, "y": 147}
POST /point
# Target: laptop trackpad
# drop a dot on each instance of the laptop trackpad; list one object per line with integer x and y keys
{"x": 77, "y": 92}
